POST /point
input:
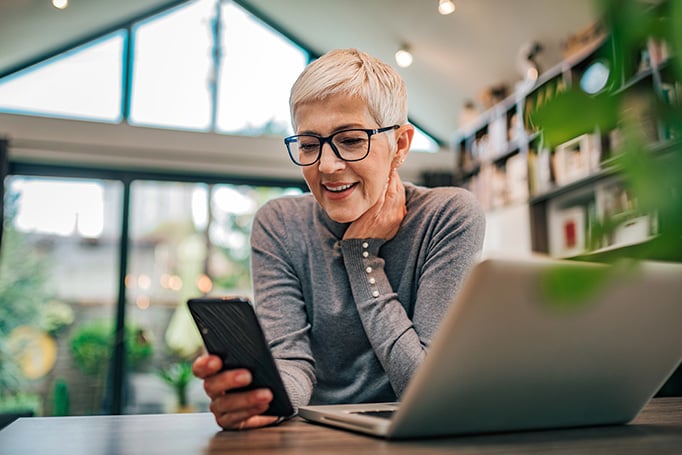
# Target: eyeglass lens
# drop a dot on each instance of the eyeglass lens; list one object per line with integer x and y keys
{"x": 351, "y": 145}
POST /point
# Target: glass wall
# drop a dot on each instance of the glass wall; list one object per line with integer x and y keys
{"x": 59, "y": 282}
{"x": 187, "y": 240}
{"x": 58, "y": 290}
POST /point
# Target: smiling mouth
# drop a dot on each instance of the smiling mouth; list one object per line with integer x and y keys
{"x": 340, "y": 188}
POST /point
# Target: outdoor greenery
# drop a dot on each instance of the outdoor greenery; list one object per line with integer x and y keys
{"x": 23, "y": 296}
{"x": 92, "y": 344}
{"x": 178, "y": 375}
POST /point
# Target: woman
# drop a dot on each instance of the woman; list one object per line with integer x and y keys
{"x": 351, "y": 281}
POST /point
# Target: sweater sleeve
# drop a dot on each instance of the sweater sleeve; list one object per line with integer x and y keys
{"x": 456, "y": 229}
{"x": 277, "y": 291}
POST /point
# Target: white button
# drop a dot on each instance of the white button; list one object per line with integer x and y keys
{"x": 365, "y": 245}
{"x": 372, "y": 281}
{"x": 375, "y": 294}
{"x": 365, "y": 254}
{"x": 368, "y": 270}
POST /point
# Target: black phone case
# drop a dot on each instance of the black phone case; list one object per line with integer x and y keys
{"x": 230, "y": 330}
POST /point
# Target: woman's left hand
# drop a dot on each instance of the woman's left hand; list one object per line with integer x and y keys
{"x": 382, "y": 220}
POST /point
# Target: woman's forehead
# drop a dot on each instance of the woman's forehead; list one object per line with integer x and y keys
{"x": 332, "y": 112}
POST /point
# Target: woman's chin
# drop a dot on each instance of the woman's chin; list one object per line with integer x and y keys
{"x": 341, "y": 215}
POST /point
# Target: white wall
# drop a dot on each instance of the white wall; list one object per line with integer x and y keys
{"x": 73, "y": 142}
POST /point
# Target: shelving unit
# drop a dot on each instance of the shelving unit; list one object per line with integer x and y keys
{"x": 578, "y": 203}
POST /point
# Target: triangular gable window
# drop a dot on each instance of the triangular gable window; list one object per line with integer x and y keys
{"x": 84, "y": 83}
{"x": 257, "y": 70}
{"x": 173, "y": 68}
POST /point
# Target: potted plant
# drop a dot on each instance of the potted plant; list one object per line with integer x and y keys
{"x": 92, "y": 344}
{"x": 179, "y": 375}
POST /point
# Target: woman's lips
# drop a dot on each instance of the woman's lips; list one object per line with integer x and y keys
{"x": 338, "y": 190}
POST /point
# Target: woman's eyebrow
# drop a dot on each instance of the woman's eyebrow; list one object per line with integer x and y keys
{"x": 348, "y": 126}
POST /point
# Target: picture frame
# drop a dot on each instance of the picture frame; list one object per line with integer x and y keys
{"x": 575, "y": 159}
{"x": 567, "y": 236}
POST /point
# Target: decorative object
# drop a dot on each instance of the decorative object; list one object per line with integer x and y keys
{"x": 34, "y": 351}
{"x": 574, "y": 159}
{"x": 568, "y": 233}
{"x": 595, "y": 77}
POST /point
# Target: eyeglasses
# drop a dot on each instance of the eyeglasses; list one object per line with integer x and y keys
{"x": 348, "y": 145}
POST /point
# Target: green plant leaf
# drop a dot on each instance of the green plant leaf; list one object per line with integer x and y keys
{"x": 572, "y": 113}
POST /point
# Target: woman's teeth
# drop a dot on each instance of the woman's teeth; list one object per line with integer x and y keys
{"x": 338, "y": 189}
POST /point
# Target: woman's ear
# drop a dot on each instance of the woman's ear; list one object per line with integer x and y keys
{"x": 404, "y": 137}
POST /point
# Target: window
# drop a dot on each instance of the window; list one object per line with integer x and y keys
{"x": 421, "y": 142}
{"x": 59, "y": 282}
{"x": 58, "y": 290}
{"x": 82, "y": 83}
{"x": 257, "y": 69}
{"x": 172, "y": 68}
{"x": 206, "y": 65}
{"x": 187, "y": 240}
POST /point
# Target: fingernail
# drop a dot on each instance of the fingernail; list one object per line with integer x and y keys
{"x": 243, "y": 377}
{"x": 264, "y": 394}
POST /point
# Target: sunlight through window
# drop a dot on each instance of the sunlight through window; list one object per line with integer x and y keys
{"x": 172, "y": 68}
{"x": 256, "y": 73}
{"x": 82, "y": 83}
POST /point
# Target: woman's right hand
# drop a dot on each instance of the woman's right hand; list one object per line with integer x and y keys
{"x": 232, "y": 410}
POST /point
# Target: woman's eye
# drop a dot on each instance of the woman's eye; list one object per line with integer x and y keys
{"x": 308, "y": 147}
{"x": 352, "y": 141}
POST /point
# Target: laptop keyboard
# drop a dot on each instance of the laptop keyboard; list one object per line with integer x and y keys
{"x": 381, "y": 414}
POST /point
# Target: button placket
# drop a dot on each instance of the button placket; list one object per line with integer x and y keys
{"x": 368, "y": 269}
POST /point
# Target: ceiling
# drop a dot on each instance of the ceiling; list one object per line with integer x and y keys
{"x": 456, "y": 57}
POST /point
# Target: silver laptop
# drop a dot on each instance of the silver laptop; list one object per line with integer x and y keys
{"x": 537, "y": 344}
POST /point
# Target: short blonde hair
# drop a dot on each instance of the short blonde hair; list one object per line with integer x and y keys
{"x": 354, "y": 73}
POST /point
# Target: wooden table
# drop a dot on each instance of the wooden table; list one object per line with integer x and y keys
{"x": 658, "y": 429}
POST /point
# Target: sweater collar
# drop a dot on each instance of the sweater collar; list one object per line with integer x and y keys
{"x": 337, "y": 229}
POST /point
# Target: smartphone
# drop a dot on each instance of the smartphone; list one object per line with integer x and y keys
{"x": 230, "y": 330}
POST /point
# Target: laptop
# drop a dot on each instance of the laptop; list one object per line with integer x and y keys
{"x": 536, "y": 344}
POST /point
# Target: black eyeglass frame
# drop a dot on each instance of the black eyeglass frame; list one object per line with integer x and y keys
{"x": 328, "y": 140}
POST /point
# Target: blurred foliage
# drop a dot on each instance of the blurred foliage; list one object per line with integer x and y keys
{"x": 92, "y": 343}
{"x": 61, "y": 398}
{"x": 56, "y": 317}
{"x": 238, "y": 274}
{"x": 178, "y": 375}
{"x": 21, "y": 401}
{"x": 568, "y": 287}
{"x": 651, "y": 171}
{"x": 23, "y": 294}
{"x": 572, "y": 113}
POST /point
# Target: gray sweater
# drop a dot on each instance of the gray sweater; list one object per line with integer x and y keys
{"x": 349, "y": 321}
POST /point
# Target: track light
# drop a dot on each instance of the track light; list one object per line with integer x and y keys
{"x": 403, "y": 57}
{"x": 446, "y": 7}
{"x": 60, "y": 4}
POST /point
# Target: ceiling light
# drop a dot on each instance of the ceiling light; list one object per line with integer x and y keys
{"x": 446, "y": 7}
{"x": 60, "y": 4}
{"x": 403, "y": 57}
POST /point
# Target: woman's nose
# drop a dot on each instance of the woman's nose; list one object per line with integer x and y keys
{"x": 329, "y": 162}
